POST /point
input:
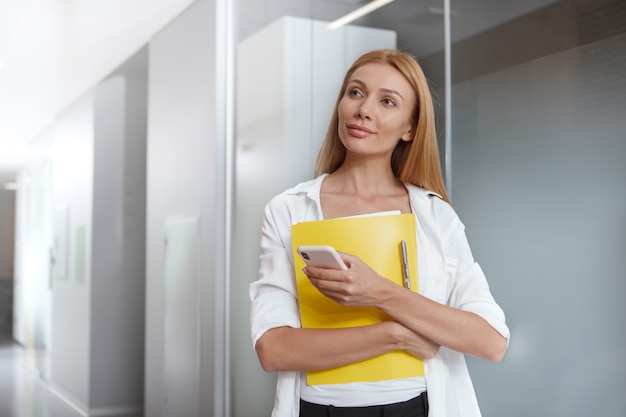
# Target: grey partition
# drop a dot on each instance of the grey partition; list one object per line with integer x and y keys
{"x": 539, "y": 168}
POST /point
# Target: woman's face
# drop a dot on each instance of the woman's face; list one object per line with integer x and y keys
{"x": 375, "y": 110}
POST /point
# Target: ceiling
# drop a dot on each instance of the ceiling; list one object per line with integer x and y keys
{"x": 53, "y": 51}
{"x": 418, "y": 23}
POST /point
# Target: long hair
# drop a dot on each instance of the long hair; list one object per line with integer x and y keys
{"x": 415, "y": 162}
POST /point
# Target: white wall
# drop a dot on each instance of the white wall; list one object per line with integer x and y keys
{"x": 72, "y": 156}
{"x": 118, "y": 245}
{"x": 186, "y": 180}
{"x": 83, "y": 203}
{"x": 96, "y": 172}
{"x": 33, "y": 239}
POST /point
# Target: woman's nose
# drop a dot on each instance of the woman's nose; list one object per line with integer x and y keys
{"x": 364, "y": 110}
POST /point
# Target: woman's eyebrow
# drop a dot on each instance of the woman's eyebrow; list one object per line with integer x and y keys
{"x": 384, "y": 90}
{"x": 359, "y": 82}
{"x": 390, "y": 91}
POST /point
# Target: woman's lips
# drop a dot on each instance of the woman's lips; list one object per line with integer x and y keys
{"x": 358, "y": 131}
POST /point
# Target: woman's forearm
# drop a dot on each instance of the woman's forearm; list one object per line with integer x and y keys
{"x": 447, "y": 326}
{"x": 297, "y": 349}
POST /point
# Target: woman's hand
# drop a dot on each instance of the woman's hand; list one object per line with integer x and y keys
{"x": 435, "y": 323}
{"x": 359, "y": 285}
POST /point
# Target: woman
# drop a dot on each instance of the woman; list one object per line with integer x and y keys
{"x": 380, "y": 154}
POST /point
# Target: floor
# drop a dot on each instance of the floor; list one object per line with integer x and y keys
{"x": 23, "y": 392}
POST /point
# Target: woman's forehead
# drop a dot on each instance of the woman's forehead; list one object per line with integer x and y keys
{"x": 382, "y": 76}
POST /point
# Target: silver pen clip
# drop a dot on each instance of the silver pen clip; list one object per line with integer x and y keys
{"x": 405, "y": 266}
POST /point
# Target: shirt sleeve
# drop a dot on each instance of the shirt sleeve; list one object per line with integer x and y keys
{"x": 469, "y": 288}
{"x": 274, "y": 295}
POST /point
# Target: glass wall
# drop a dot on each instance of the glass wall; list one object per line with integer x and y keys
{"x": 538, "y": 105}
{"x": 264, "y": 164}
{"x": 290, "y": 67}
{"x": 537, "y": 98}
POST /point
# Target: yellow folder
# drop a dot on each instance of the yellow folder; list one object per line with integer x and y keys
{"x": 376, "y": 240}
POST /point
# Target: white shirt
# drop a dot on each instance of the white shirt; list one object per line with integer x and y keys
{"x": 448, "y": 274}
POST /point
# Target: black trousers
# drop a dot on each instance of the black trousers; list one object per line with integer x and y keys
{"x": 416, "y": 407}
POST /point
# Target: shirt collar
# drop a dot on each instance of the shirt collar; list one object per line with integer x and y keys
{"x": 310, "y": 188}
{"x": 313, "y": 187}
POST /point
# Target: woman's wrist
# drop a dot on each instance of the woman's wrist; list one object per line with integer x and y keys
{"x": 395, "y": 335}
{"x": 386, "y": 293}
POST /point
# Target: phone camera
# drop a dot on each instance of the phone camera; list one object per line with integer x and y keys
{"x": 305, "y": 256}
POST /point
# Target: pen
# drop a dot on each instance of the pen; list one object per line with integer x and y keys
{"x": 405, "y": 266}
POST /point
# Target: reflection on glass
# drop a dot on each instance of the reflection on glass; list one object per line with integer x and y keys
{"x": 288, "y": 76}
{"x": 290, "y": 66}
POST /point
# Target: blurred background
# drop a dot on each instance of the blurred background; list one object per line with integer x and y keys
{"x": 141, "y": 140}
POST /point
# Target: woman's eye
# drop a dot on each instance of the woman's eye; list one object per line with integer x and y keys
{"x": 355, "y": 92}
{"x": 389, "y": 102}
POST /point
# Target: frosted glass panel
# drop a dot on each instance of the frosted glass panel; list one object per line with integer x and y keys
{"x": 539, "y": 166}
{"x": 181, "y": 364}
{"x": 290, "y": 67}
{"x": 289, "y": 73}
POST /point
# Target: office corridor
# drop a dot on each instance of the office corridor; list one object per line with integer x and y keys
{"x": 23, "y": 393}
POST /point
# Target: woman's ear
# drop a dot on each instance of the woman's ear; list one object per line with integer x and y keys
{"x": 408, "y": 136}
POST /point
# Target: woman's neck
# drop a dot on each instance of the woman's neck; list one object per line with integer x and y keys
{"x": 359, "y": 189}
{"x": 364, "y": 178}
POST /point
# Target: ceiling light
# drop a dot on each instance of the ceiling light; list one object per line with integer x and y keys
{"x": 358, "y": 13}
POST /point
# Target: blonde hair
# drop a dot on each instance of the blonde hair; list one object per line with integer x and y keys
{"x": 415, "y": 162}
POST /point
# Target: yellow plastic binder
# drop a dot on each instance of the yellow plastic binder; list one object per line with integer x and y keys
{"x": 376, "y": 240}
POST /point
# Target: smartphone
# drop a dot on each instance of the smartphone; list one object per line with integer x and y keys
{"x": 321, "y": 256}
